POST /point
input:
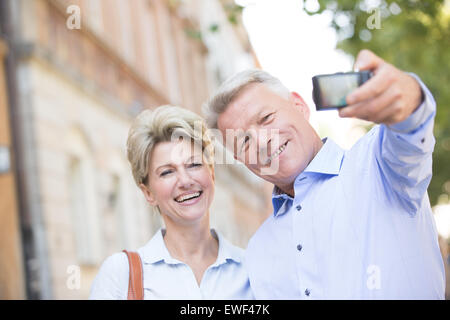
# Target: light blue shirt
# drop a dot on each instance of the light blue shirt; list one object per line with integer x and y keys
{"x": 360, "y": 225}
{"x": 169, "y": 278}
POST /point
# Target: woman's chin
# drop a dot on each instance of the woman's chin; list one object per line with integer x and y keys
{"x": 195, "y": 213}
{"x": 191, "y": 214}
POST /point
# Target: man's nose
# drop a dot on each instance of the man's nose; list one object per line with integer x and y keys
{"x": 268, "y": 141}
{"x": 263, "y": 141}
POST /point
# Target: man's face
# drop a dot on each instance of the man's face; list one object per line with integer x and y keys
{"x": 270, "y": 134}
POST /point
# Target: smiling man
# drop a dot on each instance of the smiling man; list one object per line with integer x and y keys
{"x": 346, "y": 224}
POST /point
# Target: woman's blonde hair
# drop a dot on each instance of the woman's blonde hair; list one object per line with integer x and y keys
{"x": 164, "y": 124}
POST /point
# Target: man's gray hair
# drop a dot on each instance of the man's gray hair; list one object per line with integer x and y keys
{"x": 233, "y": 86}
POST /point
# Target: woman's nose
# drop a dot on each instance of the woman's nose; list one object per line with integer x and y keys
{"x": 184, "y": 179}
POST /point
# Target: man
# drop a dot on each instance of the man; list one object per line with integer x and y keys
{"x": 353, "y": 224}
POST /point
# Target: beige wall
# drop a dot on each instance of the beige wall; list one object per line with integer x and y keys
{"x": 11, "y": 267}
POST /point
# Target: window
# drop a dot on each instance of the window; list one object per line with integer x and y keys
{"x": 83, "y": 202}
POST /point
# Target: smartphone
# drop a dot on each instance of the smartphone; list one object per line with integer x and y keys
{"x": 330, "y": 90}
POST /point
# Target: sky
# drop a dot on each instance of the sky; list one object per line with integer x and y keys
{"x": 294, "y": 47}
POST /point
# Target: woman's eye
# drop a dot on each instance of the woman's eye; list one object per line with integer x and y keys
{"x": 165, "y": 173}
{"x": 194, "y": 165}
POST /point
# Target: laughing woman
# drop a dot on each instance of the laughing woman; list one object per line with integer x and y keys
{"x": 171, "y": 159}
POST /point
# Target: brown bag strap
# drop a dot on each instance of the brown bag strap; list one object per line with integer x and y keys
{"x": 135, "y": 282}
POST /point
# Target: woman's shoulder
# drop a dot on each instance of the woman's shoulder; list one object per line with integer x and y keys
{"x": 116, "y": 262}
{"x": 111, "y": 281}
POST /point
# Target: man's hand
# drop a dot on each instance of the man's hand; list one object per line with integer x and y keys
{"x": 390, "y": 96}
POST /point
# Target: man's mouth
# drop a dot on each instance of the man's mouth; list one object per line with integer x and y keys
{"x": 277, "y": 153}
{"x": 188, "y": 196}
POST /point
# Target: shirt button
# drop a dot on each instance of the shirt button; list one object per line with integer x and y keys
{"x": 299, "y": 247}
{"x": 299, "y": 207}
{"x": 307, "y": 292}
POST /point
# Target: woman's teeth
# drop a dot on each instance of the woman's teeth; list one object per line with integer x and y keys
{"x": 188, "y": 196}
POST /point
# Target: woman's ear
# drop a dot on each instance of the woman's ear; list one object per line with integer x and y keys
{"x": 148, "y": 194}
{"x": 298, "y": 101}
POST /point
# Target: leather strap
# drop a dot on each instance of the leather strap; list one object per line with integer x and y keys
{"x": 135, "y": 282}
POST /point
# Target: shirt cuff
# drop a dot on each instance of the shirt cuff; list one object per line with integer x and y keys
{"x": 420, "y": 115}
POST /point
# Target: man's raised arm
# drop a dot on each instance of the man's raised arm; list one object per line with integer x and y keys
{"x": 405, "y": 108}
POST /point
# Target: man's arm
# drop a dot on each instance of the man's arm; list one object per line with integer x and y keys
{"x": 406, "y": 110}
{"x": 405, "y": 154}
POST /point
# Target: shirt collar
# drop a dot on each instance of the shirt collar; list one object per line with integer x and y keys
{"x": 227, "y": 251}
{"x": 327, "y": 161}
{"x": 155, "y": 250}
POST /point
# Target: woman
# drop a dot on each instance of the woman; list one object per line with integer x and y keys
{"x": 171, "y": 158}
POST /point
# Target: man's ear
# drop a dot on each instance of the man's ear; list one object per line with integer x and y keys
{"x": 298, "y": 101}
{"x": 148, "y": 194}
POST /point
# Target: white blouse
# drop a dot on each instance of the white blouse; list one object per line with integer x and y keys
{"x": 168, "y": 278}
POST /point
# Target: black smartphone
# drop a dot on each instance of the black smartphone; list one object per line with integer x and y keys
{"x": 330, "y": 90}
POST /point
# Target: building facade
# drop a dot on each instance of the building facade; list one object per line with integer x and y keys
{"x": 11, "y": 265}
{"x": 80, "y": 71}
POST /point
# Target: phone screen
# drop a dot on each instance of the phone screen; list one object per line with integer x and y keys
{"x": 335, "y": 88}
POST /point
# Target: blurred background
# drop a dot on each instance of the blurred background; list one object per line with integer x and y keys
{"x": 74, "y": 73}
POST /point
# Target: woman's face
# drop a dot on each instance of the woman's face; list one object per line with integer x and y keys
{"x": 180, "y": 182}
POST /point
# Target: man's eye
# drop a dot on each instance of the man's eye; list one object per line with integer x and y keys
{"x": 244, "y": 143}
{"x": 267, "y": 117}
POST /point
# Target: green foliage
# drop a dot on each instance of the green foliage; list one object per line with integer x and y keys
{"x": 193, "y": 33}
{"x": 414, "y": 36}
{"x": 234, "y": 12}
{"x": 214, "y": 27}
